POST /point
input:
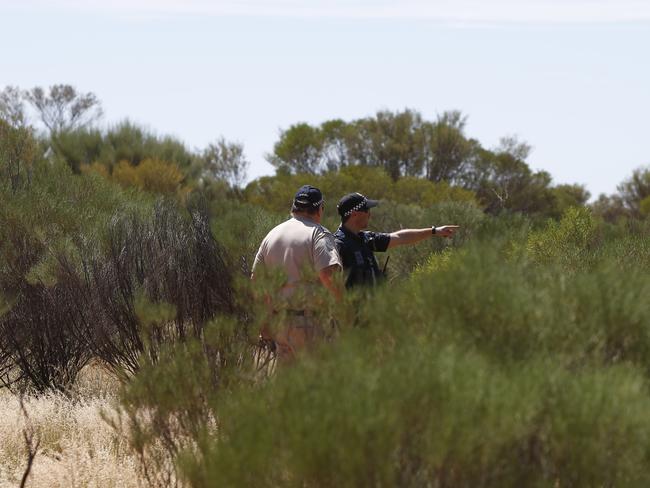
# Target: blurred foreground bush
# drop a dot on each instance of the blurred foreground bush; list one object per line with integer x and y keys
{"x": 428, "y": 416}
{"x": 493, "y": 370}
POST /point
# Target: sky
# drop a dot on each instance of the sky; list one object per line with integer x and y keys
{"x": 570, "y": 77}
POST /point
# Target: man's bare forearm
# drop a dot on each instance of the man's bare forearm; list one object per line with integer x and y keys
{"x": 408, "y": 236}
{"x": 326, "y": 276}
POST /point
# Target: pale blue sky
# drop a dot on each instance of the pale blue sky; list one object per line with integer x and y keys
{"x": 571, "y": 78}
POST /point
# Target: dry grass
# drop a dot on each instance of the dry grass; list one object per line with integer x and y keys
{"x": 77, "y": 447}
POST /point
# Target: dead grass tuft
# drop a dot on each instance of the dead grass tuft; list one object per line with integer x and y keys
{"x": 77, "y": 446}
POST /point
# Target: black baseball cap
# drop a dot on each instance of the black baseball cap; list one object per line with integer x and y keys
{"x": 354, "y": 201}
{"x": 308, "y": 196}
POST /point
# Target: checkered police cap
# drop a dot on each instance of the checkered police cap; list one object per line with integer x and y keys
{"x": 354, "y": 202}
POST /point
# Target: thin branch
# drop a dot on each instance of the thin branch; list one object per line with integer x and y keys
{"x": 31, "y": 444}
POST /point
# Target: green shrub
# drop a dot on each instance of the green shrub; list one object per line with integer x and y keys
{"x": 569, "y": 241}
{"x": 413, "y": 414}
{"x": 418, "y": 191}
{"x": 630, "y": 251}
{"x": 17, "y": 153}
{"x": 484, "y": 372}
{"x": 349, "y": 420}
{"x": 514, "y": 310}
{"x": 241, "y": 227}
{"x": 42, "y": 228}
{"x": 275, "y": 193}
{"x": 150, "y": 175}
{"x": 644, "y": 207}
{"x": 595, "y": 428}
{"x": 123, "y": 142}
{"x": 75, "y": 251}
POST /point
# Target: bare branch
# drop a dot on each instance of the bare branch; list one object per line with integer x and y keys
{"x": 63, "y": 108}
{"x": 12, "y": 106}
{"x": 226, "y": 161}
{"x": 32, "y": 442}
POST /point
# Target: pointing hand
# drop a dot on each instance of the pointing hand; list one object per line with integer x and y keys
{"x": 447, "y": 230}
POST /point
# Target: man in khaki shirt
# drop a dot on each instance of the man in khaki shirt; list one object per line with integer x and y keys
{"x": 305, "y": 252}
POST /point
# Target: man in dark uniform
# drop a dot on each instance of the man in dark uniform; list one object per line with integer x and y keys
{"x": 357, "y": 246}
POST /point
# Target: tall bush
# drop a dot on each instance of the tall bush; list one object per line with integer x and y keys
{"x": 150, "y": 175}
{"x": 570, "y": 241}
{"x": 74, "y": 283}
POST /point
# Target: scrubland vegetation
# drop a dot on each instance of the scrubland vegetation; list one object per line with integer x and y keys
{"x": 516, "y": 354}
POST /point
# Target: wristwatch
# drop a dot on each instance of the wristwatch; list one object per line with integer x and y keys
{"x": 433, "y": 229}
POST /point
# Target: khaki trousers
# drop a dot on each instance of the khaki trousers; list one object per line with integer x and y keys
{"x": 298, "y": 333}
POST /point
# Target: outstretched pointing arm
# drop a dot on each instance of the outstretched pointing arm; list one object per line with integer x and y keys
{"x": 411, "y": 236}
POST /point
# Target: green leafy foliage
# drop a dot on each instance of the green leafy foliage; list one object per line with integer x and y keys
{"x": 567, "y": 196}
{"x": 150, "y": 175}
{"x": 405, "y": 145}
{"x": 644, "y": 207}
{"x": 43, "y": 227}
{"x": 125, "y": 141}
{"x": 490, "y": 370}
{"x": 401, "y": 143}
{"x": 75, "y": 253}
{"x": 635, "y": 189}
{"x": 17, "y": 153}
{"x": 491, "y": 377}
{"x": 240, "y": 227}
{"x": 569, "y": 241}
{"x": 275, "y": 193}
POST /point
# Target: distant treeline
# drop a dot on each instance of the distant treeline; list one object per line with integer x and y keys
{"x": 402, "y": 145}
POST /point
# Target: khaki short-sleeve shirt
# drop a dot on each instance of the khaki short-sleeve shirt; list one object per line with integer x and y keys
{"x": 295, "y": 245}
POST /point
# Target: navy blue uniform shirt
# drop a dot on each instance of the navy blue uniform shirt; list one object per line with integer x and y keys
{"x": 356, "y": 251}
